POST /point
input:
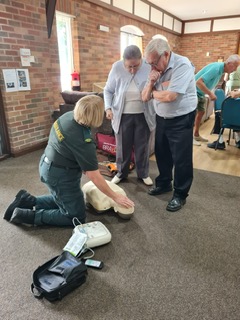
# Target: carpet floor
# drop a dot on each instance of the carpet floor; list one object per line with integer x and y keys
{"x": 159, "y": 265}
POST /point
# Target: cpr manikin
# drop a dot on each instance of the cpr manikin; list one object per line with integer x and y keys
{"x": 100, "y": 202}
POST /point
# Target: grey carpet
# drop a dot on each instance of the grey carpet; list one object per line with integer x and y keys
{"x": 159, "y": 265}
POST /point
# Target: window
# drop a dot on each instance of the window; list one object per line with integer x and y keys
{"x": 130, "y": 35}
{"x": 159, "y": 36}
{"x": 65, "y": 50}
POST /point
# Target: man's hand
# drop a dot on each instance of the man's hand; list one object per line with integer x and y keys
{"x": 153, "y": 76}
{"x": 201, "y": 85}
{"x": 212, "y": 96}
{"x": 147, "y": 91}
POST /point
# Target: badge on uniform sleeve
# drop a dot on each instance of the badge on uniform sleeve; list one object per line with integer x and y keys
{"x": 87, "y": 135}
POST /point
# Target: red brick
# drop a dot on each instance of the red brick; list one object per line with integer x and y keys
{"x": 23, "y": 25}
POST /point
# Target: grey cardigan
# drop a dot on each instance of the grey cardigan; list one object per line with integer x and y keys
{"x": 115, "y": 89}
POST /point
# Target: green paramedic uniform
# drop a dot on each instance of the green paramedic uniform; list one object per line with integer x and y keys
{"x": 70, "y": 151}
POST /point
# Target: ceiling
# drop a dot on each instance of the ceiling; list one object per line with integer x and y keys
{"x": 199, "y": 9}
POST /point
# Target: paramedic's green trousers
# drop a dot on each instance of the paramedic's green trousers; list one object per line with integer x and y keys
{"x": 65, "y": 200}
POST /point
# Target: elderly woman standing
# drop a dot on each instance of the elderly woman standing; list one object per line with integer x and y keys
{"x": 132, "y": 119}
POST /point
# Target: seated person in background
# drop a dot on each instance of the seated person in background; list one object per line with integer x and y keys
{"x": 232, "y": 81}
{"x": 206, "y": 80}
{"x": 221, "y": 144}
{"x": 234, "y": 94}
{"x": 69, "y": 153}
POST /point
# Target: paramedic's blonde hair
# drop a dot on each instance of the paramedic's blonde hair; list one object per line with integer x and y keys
{"x": 89, "y": 111}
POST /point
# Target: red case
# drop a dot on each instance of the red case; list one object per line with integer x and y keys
{"x": 106, "y": 143}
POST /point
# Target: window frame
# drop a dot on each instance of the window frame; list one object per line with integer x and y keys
{"x": 65, "y": 49}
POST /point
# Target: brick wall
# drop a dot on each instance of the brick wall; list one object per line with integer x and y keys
{"x": 195, "y": 47}
{"x": 28, "y": 113}
{"x": 95, "y": 51}
{"x": 23, "y": 25}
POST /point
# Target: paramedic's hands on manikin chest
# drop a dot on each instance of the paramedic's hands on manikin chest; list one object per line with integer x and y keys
{"x": 100, "y": 183}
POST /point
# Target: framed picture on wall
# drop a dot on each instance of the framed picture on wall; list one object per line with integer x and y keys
{"x": 10, "y": 80}
{"x": 23, "y": 79}
{"x": 16, "y": 80}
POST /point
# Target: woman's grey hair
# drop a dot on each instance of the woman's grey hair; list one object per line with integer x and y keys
{"x": 157, "y": 45}
{"x": 89, "y": 111}
{"x": 132, "y": 52}
{"x": 233, "y": 58}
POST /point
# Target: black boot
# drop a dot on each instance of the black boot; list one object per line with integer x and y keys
{"x": 23, "y": 200}
{"x": 26, "y": 216}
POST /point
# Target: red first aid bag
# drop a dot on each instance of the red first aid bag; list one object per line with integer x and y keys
{"x": 107, "y": 143}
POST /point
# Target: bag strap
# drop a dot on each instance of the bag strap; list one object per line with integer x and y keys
{"x": 37, "y": 294}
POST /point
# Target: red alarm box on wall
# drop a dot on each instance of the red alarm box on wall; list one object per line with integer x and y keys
{"x": 76, "y": 81}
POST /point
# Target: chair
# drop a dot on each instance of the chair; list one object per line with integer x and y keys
{"x": 217, "y": 109}
{"x": 230, "y": 117}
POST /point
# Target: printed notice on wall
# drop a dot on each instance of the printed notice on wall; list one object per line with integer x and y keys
{"x": 10, "y": 79}
{"x": 25, "y": 57}
{"x": 23, "y": 79}
{"x": 16, "y": 80}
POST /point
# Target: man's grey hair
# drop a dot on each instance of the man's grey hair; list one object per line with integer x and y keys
{"x": 233, "y": 58}
{"x": 157, "y": 45}
{"x": 132, "y": 52}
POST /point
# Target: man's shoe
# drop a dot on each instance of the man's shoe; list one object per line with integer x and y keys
{"x": 159, "y": 190}
{"x": 175, "y": 204}
{"x": 196, "y": 143}
{"x": 220, "y": 146}
{"x": 200, "y": 138}
{"x": 25, "y": 216}
{"x": 116, "y": 180}
{"x": 23, "y": 200}
{"x": 148, "y": 181}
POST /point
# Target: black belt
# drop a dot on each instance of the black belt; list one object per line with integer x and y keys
{"x": 45, "y": 159}
{"x": 170, "y": 118}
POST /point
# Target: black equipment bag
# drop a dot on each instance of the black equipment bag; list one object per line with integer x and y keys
{"x": 58, "y": 276}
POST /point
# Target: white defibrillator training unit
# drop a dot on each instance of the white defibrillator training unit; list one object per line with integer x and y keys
{"x": 97, "y": 233}
{"x": 87, "y": 236}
